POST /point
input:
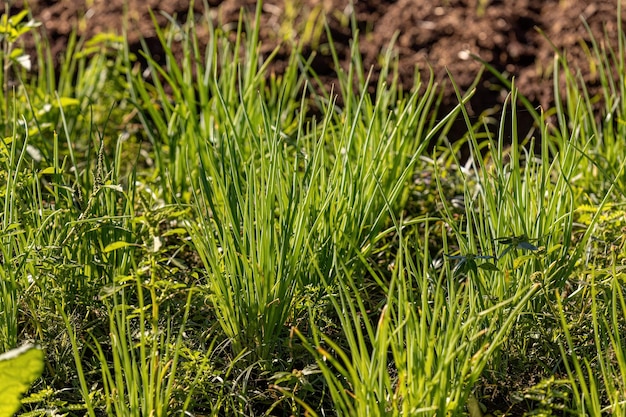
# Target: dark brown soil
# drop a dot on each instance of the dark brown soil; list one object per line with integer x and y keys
{"x": 430, "y": 33}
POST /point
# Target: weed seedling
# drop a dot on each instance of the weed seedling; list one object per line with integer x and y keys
{"x": 468, "y": 263}
{"x": 514, "y": 243}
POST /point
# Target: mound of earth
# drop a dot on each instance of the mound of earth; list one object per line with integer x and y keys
{"x": 518, "y": 38}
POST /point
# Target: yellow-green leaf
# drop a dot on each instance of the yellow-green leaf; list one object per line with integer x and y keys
{"x": 10, "y": 227}
{"x": 176, "y": 231}
{"x": 66, "y": 102}
{"x": 118, "y": 245}
{"x": 47, "y": 171}
{"x": 519, "y": 261}
{"x": 17, "y": 18}
{"x": 19, "y": 368}
{"x": 103, "y": 38}
{"x": 16, "y": 52}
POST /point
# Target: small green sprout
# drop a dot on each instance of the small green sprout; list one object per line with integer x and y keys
{"x": 468, "y": 263}
{"x": 514, "y": 243}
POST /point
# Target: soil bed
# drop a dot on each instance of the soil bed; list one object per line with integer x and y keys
{"x": 440, "y": 34}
